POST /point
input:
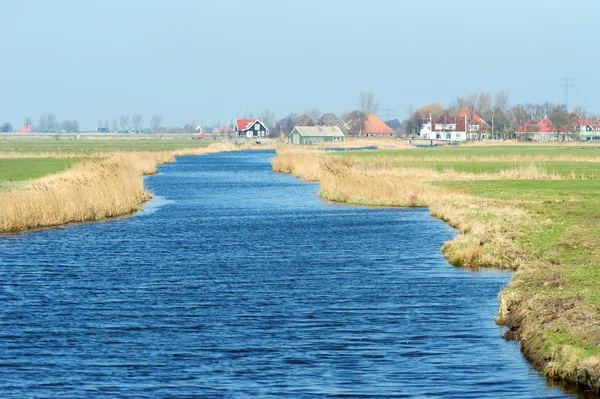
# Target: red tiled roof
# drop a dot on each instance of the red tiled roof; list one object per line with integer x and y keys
{"x": 243, "y": 124}
{"x": 528, "y": 127}
{"x": 546, "y": 126}
{"x": 459, "y": 121}
{"x": 25, "y": 129}
{"x": 474, "y": 118}
{"x": 374, "y": 125}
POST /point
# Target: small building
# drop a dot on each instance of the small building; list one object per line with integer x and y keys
{"x": 25, "y": 129}
{"x": 315, "y": 134}
{"x": 375, "y": 127}
{"x": 250, "y": 128}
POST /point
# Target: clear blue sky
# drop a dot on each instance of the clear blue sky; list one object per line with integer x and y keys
{"x": 209, "y": 60}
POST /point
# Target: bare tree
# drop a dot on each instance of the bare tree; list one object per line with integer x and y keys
{"x": 268, "y": 118}
{"x": 43, "y": 124}
{"x": 124, "y": 122}
{"x": 518, "y": 116}
{"x": 560, "y": 119}
{"x": 367, "y": 103}
{"x": 137, "y": 121}
{"x": 155, "y": 121}
{"x": 114, "y": 125}
{"x": 313, "y": 113}
{"x": 286, "y": 125}
{"x": 414, "y": 124}
{"x": 498, "y": 113}
{"x": 356, "y": 121}
{"x": 433, "y": 109}
{"x": 52, "y": 124}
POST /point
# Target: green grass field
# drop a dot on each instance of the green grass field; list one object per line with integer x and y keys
{"x": 468, "y": 152}
{"x": 15, "y": 172}
{"x": 90, "y": 147}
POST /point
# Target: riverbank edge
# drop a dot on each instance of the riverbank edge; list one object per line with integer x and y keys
{"x": 525, "y": 313}
{"x": 100, "y": 188}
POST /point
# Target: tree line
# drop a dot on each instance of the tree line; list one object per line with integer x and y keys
{"x": 502, "y": 119}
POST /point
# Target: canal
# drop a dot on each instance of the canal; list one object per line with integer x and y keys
{"x": 237, "y": 282}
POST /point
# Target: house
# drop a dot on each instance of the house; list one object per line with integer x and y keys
{"x": 544, "y": 130}
{"x": 250, "y": 128}
{"x": 588, "y": 130}
{"x": 25, "y": 129}
{"x": 372, "y": 126}
{"x": 330, "y": 119}
{"x": 445, "y": 128}
{"x": 375, "y": 127}
{"x": 315, "y": 134}
{"x": 477, "y": 128}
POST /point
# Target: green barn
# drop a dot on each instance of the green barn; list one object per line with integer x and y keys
{"x": 315, "y": 134}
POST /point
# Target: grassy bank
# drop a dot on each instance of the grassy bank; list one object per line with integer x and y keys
{"x": 532, "y": 209}
{"x": 101, "y": 185}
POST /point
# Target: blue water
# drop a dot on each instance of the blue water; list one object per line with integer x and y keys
{"x": 237, "y": 282}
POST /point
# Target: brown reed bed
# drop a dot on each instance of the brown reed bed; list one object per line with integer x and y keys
{"x": 102, "y": 187}
{"x": 91, "y": 190}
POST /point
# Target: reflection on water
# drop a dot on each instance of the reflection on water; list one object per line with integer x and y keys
{"x": 235, "y": 282}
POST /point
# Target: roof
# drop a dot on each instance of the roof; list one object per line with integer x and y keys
{"x": 458, "y": 121}
{"x": 25, "y": 129}
{"x": 374, "y": 125}
{"x": 546, "y": 126}
{"x": 319, "y": 131}
{"x": 330, "y": 119}
{"x": 528, "y": 127}
{"x": 474, "y": 118}
{"x": 245, "y": 124}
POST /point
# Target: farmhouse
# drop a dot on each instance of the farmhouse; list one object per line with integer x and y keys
{"x": 250, "y": 128}
{"x": 315, "y": 134}
{"x": 371, "y": 126}
{"x": 476, "y": 127}
{"x": 375, "y": 127}
{"x": 444, "y": 128}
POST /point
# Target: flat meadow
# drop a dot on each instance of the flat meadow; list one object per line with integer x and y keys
{"x": 529, "y": 208}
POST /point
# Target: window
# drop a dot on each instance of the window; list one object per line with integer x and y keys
{"x": 257, "y": 126}
{"x": 448, "y": 136}
{"x": 473, "y": 128}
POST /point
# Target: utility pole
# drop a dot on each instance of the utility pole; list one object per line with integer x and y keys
{"x": 387, "y": 113}
{"x": 566, "y": 84}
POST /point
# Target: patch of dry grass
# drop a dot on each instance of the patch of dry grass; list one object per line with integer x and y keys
{"x": 102, "y": 187}
{"x": 91, "y": 190}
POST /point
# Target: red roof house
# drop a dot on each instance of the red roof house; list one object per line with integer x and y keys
{"x": 25, "y": 129}
{"x": 445, "y": 128}
{"x": 250, "y": 128}
{"x": 475, "y": 125}
{"x": 373, "y": 126}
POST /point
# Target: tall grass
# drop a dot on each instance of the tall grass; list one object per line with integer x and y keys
{"x": 91, "y": 190}
{"x": 487, "y": 228}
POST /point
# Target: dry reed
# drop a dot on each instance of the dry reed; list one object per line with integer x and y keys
{"x": 91, "y": 190}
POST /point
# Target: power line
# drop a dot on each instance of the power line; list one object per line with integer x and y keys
{"x": 566, "y": 84}
{"x": 387, "y": 113}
